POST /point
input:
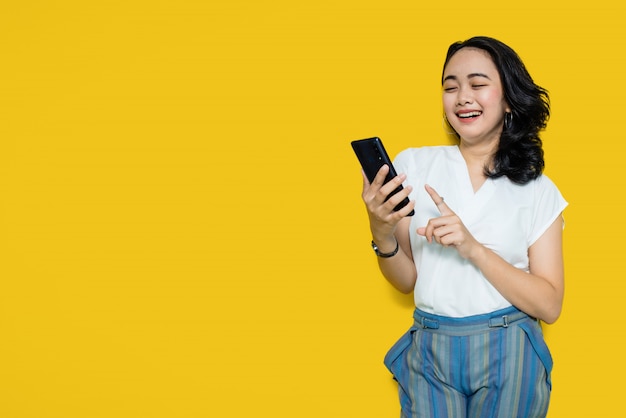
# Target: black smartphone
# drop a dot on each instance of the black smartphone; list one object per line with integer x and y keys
{"x": 372, "y": 155}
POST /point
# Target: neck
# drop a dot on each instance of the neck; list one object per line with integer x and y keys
{"x": 478, "y": 154}
{"x": 477, "y": 157}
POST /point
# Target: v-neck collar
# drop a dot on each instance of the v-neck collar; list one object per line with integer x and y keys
{"x": 471, "y": 203}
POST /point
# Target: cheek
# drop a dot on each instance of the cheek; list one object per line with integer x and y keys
{"x": 493, "y": 96}
{"x": 448, "y": 104}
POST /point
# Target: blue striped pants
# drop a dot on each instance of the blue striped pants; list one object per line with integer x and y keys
{"x": 485, "y": 366}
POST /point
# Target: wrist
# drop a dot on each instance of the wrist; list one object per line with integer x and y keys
{"x": 477, "y": 256}
{"x": 386, "y": 251}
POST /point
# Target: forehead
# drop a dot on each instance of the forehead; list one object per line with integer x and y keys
{"x": 471, "y": 61}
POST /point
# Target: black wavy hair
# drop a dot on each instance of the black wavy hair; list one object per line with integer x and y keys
{"x": 520, "y": 154}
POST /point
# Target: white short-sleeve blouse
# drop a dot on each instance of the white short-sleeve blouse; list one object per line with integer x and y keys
{"x": 505, "y": 217}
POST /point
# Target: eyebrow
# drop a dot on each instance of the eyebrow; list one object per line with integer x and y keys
{"x": 472, "y": 75}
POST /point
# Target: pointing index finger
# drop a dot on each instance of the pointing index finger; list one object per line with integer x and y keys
{"x": 444, "y": 209}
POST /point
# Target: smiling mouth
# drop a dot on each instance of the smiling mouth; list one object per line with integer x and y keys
{"x": 469, "y": 115}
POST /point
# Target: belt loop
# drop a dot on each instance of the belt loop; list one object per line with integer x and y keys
{"x": 420, "y": 319}
{"x": 500, "y": 321}
{"x": 428, "y": 323}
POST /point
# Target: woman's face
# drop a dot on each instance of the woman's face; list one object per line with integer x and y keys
{"x": 473, "y": 99}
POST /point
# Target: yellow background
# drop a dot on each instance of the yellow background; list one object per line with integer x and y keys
{"x": 180, "y": 217}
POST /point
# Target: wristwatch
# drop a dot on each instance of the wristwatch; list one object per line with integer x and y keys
{"x": 385, "y": 255}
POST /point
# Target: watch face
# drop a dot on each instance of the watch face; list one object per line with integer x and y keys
{"x": 383, "y": 255}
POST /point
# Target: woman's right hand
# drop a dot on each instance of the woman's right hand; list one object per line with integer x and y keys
{"x": 383, "y": 219}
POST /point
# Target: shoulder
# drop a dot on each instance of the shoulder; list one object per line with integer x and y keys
{"x": 548, "y": 203}
{"x": 541, "y": 193}
{"x": 544, "y": 181}
{"x": 537, "y": 185}
{"x": 542, "y": 185}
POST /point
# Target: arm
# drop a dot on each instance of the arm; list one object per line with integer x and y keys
{"x": 389, "y": 227}
{"x": 539, "y": 293}
{"x": 400, "y": 270}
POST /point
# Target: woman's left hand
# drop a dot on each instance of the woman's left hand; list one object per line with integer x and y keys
{"x": 448, "y": 230}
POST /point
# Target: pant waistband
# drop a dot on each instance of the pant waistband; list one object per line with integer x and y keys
{"x": 499, "y": 319}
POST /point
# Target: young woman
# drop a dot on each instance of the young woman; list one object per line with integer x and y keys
{"x": 486, "y": 263}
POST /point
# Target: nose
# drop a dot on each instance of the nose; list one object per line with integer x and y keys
{"x": 464, "y": 96}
